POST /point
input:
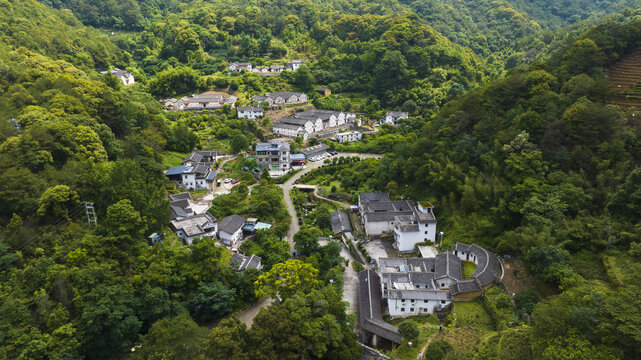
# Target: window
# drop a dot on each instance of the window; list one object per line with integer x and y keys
{"x": 403, "y": 300}
{"x": 442, "y": 301}
{"x": 402, "y": 309}
{"x": 412, "y": 309}
{"x": 442, "y": 284}
{"x": 425, "y": 232}
{"x": 424, "y": 301}
{"x": 413, "y": 301}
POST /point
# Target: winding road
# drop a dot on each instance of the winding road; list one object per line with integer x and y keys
{"x": 350, "y": 287}
{"x": 289, "y": 184}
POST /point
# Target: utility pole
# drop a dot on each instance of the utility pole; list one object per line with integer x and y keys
{"x": 92, "y": 220}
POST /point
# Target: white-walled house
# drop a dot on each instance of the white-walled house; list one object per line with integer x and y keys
{"x": 392, "y": 117}
{"x": 349, "y": 136}
{"x": 230, "y": 229}
{"x": 314, "y": 123}
{"x": 408, "y": 222}
{"x": 126, "y": 77}
{"x": 194, "y": 227}
{"x": 249, "y": 112}
{"x": 278, "y": 99}
{"x": 294, "y": 65}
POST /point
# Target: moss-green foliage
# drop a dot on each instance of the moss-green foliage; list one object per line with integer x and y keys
{"x": 472, "y": 314}
{"x": 500, "y": 307}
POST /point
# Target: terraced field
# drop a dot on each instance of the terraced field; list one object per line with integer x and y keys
{"x": 625, "y": 77}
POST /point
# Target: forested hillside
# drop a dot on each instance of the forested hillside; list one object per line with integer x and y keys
{"x": 532, "y": 164}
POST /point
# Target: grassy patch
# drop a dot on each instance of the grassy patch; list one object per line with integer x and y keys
{"x": 462, "y": 340}
{"x": 589, "y": 265}
{"x": 468, "y": 269}
{"x": 618, "y": 269}
{"x": 172, "y": 158}
{"x": 406, "y": 352}
{"x": 197, "y": 193}
{"x": 472, "y": 314}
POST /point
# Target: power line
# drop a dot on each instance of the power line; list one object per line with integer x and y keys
{"x": 76, "y": 211}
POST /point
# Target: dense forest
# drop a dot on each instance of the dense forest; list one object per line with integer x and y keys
{"x": 511, "y": 135}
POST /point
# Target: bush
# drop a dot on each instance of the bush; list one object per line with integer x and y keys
{"x": 438, "y": 349}
{"x": 409, "y": 330}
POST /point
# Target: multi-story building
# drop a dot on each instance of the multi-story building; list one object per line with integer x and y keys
{"x": 314, "y": 123}
{"x": 250, "y": 112}
{"x": 273, "y": 156}
{"x": 408, "y": 222}
{"x": 350, "y": 136}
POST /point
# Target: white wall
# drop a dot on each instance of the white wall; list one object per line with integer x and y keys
{"x": 230, "y": 239}
{"x": 378, "y": 227}
{"x": 405, "y": 240}
{"x": 397, "y": 307}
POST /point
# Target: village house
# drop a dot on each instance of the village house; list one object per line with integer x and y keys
{"x": 314, "y": 123}
{"x": 126, "y": 77}
{"x": 294, "y": 65}
{"x": 250, "y": 112}
{"x": 341, "y": 225}
{"x": 240, "y": 66}
{"x": 270, "y": 70}
{"x": 196, "y": 172}
{"x": 242, "y": 262}
{"x": 200, "y": 102}
{"x": 349, "y": 136}
{"x": 408, "y": 222}
{"x": 194, "y": 227}
{"x": 323, "y": 91}
{"x": 392, "y": 117}
{"x": 279, "y": 99}
{"x": 273, "y": 156}
{"x": 230, "y": 229}
{"x": 180, "y": 206}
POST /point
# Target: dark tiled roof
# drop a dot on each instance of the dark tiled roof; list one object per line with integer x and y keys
{"x": 211, "y": 175}
{"x": 181, "y": 196}
{"x": 242, "y": 262}
{"x": 464, "y": 287}
{"x": 195, "y": 157}
{"x": 175, "y": 170}
{"x": 369, "y": 300}
{"x": 341, "y": 222}
{"x": 315, "y": 149}
{"x": 250, "y": 108}
{"x": 448, "y": 265}
{"x": 182, "y": 203}
{"x": 231, "y": 223}
{"x": 284, "y": 125}
{"x": 374, "y": 196}
{"x": 488, "y": 267}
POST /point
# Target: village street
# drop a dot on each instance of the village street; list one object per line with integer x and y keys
{"x": 289, "y": 184}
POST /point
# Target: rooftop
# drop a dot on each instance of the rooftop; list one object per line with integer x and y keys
{"x": 273, "y": 146}
{"x": 231, "y": 223}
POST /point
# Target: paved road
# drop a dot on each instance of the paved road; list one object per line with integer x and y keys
{"x": 287, "y": 187}
{"x": 247, "y": 316}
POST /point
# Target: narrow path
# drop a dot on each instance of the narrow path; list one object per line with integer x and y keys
{"x": 289, "y": 184}
{"x": 247, "y": 315}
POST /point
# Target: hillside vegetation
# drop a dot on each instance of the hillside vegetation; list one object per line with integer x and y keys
{"x": 539, "y": 163}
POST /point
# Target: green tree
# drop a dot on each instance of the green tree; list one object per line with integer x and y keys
{"x": 307, "y": 240}
{"x": 303, "y": 78}
{"x": 286, "y": 279}
{"x": 438, "y": 350}
{"x": 227, "y": 341}
{"x": 409, "y": 330}
{"x": 172, "y": 338}
{"x": 57, "y": 201}
{"x": 210, "y": 302}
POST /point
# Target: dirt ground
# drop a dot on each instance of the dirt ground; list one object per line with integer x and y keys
{"x": 516, "y": 276}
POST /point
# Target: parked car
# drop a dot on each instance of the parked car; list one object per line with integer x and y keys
{"x": 235, "y": 181}
{"x": 333, "y": 153}
{"x": 227, "y": 181}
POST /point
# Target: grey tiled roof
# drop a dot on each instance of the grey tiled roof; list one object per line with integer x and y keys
{"x": 373, "y": 196}
{"x": 231, "y": 223}
{"x": 183, "y": 195}
{"x": 464, "y": 287}
{"x": 370, "y": 315}
{"x": 243, "y": 262}
{"x": 488, "y": 267}
{"x": 448, "y": 265}
{"x": 271, "y": 146}
{"x": 341, "y": 222}
{"x": 419, "y": 294}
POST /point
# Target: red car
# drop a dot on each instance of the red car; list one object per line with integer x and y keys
{"x": 235, "y": 181}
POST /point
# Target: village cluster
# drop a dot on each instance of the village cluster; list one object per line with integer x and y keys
{"x": 398, "y": 286}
